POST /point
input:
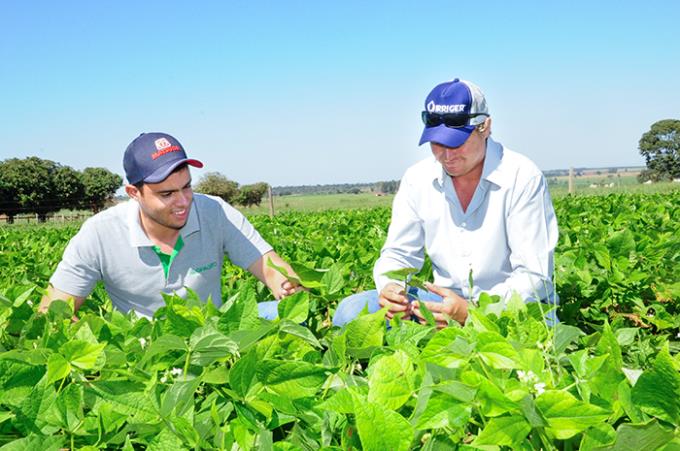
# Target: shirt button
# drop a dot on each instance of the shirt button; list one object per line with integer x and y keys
{"x": 464, "y": 224}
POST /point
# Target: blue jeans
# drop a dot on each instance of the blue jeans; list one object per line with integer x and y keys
{"x": 350, "y": 307}
{"x": 268, "y": 310}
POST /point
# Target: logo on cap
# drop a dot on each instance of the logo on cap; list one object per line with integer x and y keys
{"x": 164, "y": 146}
{"x": 444, "y": 109}
{"x": 162, "y": 143}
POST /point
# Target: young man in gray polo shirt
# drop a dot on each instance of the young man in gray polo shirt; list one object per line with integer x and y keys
{"x": 165, "y": 239}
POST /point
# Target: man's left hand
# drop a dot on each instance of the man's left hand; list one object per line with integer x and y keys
{"x": 452, "y": 306}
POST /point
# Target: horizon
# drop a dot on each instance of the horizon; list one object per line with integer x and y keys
{"x": 306, "y": 93}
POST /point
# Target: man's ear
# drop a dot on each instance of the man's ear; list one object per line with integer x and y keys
{"x": 485, "y": 128}
{"x": 133, "y": 191}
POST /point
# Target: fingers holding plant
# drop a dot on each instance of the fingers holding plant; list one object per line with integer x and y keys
{"x": 452, "y": 306}
{"x": 393, "y": 296}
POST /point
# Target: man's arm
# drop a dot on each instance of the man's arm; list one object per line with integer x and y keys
{"x": 54, "y": 294}
{"x": 277, "y": 283}
{"x": 532, "y": 237}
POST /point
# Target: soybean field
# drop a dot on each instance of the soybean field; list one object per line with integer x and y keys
{"x": 199, "y": 376}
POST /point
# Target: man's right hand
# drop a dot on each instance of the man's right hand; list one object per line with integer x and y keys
{"x": 394, "y": 298}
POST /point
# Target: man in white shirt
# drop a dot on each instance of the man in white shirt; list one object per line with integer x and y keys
{"x": 481, "y": 212}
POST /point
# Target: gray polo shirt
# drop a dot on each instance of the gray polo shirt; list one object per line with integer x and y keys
{"x": 112, "y": 247}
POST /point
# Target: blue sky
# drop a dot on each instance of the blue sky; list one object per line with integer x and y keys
{"x": 303, "y": 92}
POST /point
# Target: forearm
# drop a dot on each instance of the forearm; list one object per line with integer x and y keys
{"x": 274, "y": 280}
{"x": 53, "y": 294}
{"x": 530, "y": 286}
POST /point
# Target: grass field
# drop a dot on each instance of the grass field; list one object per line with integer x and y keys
{"x": 591, "y": 185}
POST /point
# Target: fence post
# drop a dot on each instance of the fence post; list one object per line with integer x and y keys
{"x": 271, "y": 201}
{"x": 571, "y": 180}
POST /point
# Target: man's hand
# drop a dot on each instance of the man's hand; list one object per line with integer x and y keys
{"x": 288, "y": 288}
{"x": 451, "y": 307}
{"x": 395, "y": 299}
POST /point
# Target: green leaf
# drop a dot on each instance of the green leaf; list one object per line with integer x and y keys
{"x": 240, "y": 312}
{"x": 504, "y": 431}
{"x": 166, "y": 441}
{"x": 444, "y": 412}
{"x": 333, "y": 280}
{"x": 296, "y": 379}
{"x": 380, "y": 428}
{"x": 340, "y": 402}
{"x": 497, "y": 352}
{"x": 448, "y": 348}
{"x": 70, "y": 407}
{"x": 179, "y": 398}
{"x": 163, "y": 345}
{"x": 365, "y": 333}
{"x": 208, "y": 345}
{"x": 597, "y": 436}
{"x": 295, "y": 308}
{"x": 299, "y": 331}
{"x": 609, "y": 345}
{"x": 429, "y": 317}
{"x": 531, "y": 413}
{"x": 568, "y": 416}
{"x": 636, "y": 437}
{"x": 36, "y": 442}
{"x": 565, "y": 335}
{"x": 621, "y": 243}
{"x": 400, "y": 274}
{"x": 128, "y": 398}
{"x": 657, "y": 391}
{"x": 391, "y": 380}
{"x": 242, "y": 374}
{"x": 57, "y": 368}
{"x": 82, "y": 354}
{"x": 309, "y": 277}
{"x": 284, "y": 272}
{"x": 458, "y": 390}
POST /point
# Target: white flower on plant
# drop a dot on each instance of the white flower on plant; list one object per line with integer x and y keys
{"x": 164, "y": 379}
{"x": 527, "y": 377}
{"x": 142, "y": 341}
{"x": 176, "y": 372}
{"x": 539, "y": 387}
{"x": 29, "y": 302}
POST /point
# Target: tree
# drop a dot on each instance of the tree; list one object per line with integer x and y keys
{"x": 251, "y": 194}
{"x": 100, "y": 187}
{"x": 216, "y": 184}
{"x": 38, "y": 186}
{"x": 661, "y": 148}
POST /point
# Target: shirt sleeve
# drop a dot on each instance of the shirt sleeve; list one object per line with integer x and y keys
{"x": 404, "y": 246}
{"x": 79, "y": 269}
{"x": 532, "y": 237}
{"x": 242, "y": 243}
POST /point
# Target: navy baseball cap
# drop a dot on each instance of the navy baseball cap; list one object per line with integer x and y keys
{"x": 452, "y": 111}
{"x": 152, "y": 157}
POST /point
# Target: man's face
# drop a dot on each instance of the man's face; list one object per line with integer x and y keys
{"x": 462, "y": 160}
{"x": 167, "y": 203}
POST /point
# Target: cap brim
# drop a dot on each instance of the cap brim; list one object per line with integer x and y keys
{"x": 446, "y": 136}
{"x": 164, "y": 171}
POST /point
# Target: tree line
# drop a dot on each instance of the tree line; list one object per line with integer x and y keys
{"x": 34, "y": 185}
{"x": 219, "y": 185}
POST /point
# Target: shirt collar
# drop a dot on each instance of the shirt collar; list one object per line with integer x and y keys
{"x": 492, "y": 163}
{"x": 138, "y": 237}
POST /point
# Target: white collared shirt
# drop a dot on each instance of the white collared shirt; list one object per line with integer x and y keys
{"x": 506, "y": 237}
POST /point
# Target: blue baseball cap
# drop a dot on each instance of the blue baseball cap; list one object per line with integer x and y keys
{"x": 152, "y": 157}
{"x": 452, "y": 111}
